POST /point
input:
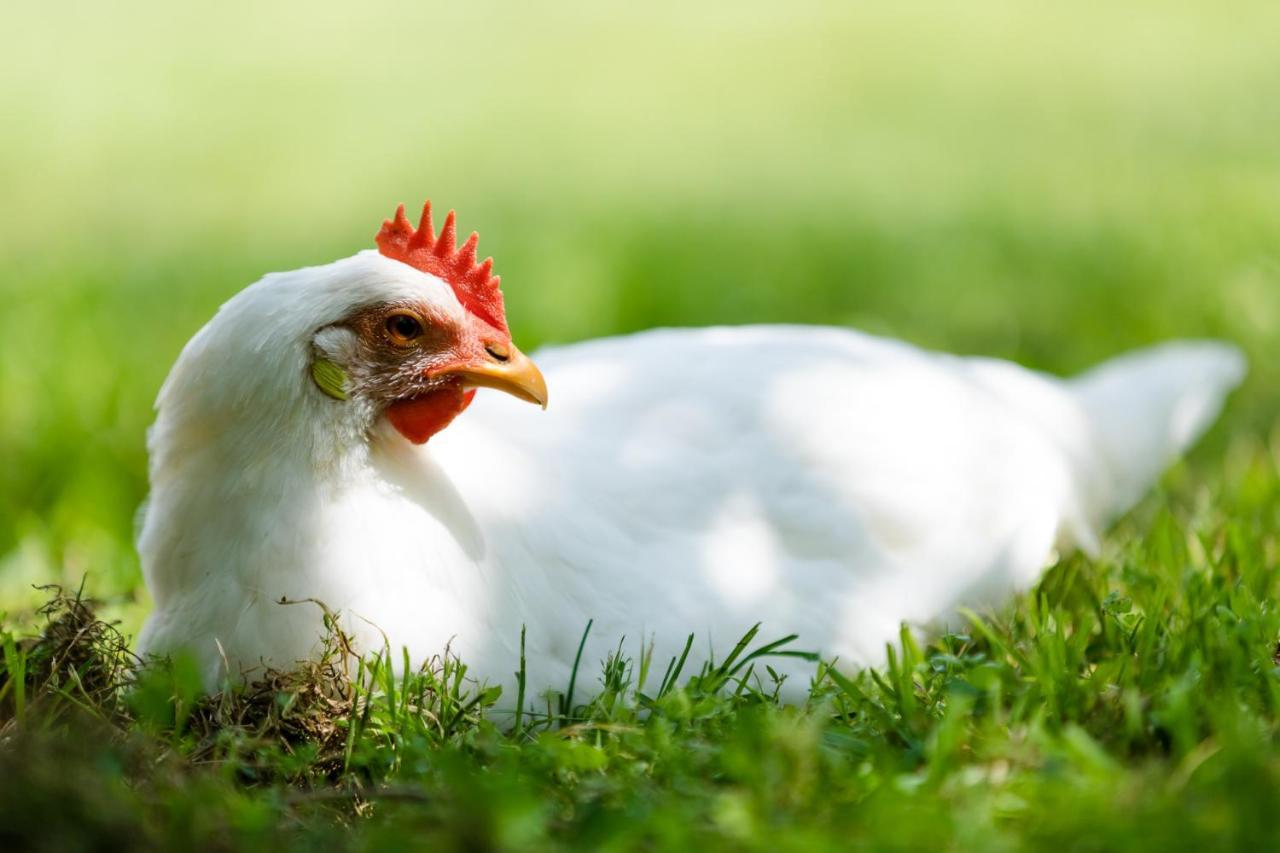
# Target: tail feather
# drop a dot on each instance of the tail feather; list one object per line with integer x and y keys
{"x": 1148, "y": 407}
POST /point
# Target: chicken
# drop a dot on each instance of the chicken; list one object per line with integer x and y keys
{"x": 310, "y": 444}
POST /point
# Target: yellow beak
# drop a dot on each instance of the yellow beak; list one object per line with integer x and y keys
{"x": 517, "y": 375}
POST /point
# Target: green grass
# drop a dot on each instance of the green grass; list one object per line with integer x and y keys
{"x": 1128, "y": 702}
{"x": 1048, "y": 185}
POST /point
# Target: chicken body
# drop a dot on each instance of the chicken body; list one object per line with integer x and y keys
{"x": 818, "y": 481}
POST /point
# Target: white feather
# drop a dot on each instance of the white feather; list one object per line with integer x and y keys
{"x": 817, "y": 480}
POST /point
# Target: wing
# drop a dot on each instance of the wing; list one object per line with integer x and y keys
{"x": 826, "y": 482}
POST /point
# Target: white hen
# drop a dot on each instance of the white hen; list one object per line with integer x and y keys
{"x": 819, "y": 481}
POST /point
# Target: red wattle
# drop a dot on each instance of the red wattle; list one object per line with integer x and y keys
{"x": 419, "y": 418}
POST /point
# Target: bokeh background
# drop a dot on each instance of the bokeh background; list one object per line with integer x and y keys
{"x": 1052, "y": 183}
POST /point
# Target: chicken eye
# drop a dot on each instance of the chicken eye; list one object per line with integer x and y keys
{"x": 404, "y": 328}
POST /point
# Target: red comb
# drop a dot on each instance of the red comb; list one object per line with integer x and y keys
{"x": 472, "y": 283}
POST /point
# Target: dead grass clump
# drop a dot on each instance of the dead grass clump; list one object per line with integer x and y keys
{"x": 77, "y": 662}
{"x": 306, "y": 711}
{"x": 330, "y": 723}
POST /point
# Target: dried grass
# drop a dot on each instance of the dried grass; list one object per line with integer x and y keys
{"x": 80, "y": 665}
{"x": 78, "y": 662}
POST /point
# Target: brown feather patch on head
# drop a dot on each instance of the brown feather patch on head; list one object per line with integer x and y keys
{"x": 440, "y": 256}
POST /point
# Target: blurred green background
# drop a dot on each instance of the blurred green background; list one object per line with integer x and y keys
{"x": 1049, "y": 183}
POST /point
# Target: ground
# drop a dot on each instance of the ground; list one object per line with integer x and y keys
{"x": 1051, "y": 186}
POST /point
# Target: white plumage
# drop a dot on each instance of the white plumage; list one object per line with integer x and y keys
{"x": 817, "y": 480}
